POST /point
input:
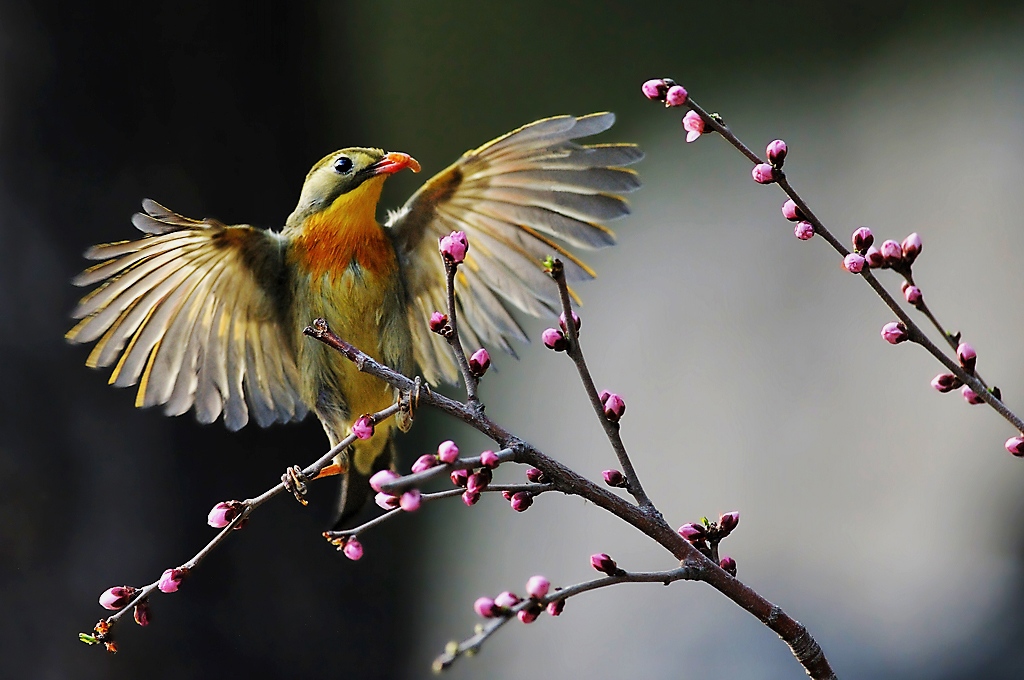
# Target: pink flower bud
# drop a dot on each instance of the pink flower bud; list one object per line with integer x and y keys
{"x": 874, "y": 257}
{"x": 478, "y": 481}
{"x": 454, "y": 246}
{"x": 424, "y": 463}
{"x": 386, "y": 501}
{"x": 613, "y": 478}
{"x": 479, "y": 362}
{"x": 555, "y": 607}
{"x": 694, "y": 125}
{"x": 521, "y": 501}
{"x": 945, "y": 382}
{"x": 692, "y": 532}
{"x": 485, "y": 607}
{"x": 892, "y": 253}
{"x": 489, "y": 459}
{"x": 117, "y": 597}
{"x": 895, "y": 332}
{"x": 437, "y": 322}
{"x": 911, "y": 247}
{"x": 728, "y": 565}
{"x": 603, "y": 395}
{"x": 854, "y": 263}
{"x": 603, "y": 563}
{"x": 862, "y": 238}
{"x": 913, "y": 295}
{"x": 142, "y": 613}
{"x": 410, "y": 501}
{"x": 506, "y": 494}
{"x": 470, "y": 497}
{"x": 776, "y": 152}
{"x": 447, "y": 451}
{"x": 460, "y": 477}
{"x": 614, "y": 407}
{"x": 804, "y": 231}
{"x": 507, "y": 599}
{"x": 535, "y": 475}
{"x": 554, "y": 339}
{"x": 353, "y": 549}
{"x": 379, "y": 479}
{"x": 970, "y": 396}
{"x": 537, "y": 587}
{"x": 1015, "y": 445}
{"x": 223, "y": 514}
{"x": 676, "y": 96}
{"x": 967, "y": 357}
{"x": 727, "y": 522}
{"x": 171, "y": 579}
{"x": 575, "y": 321}
{"x": 363, "y": 427}
{"x": 655, "y": 89}
{"x": 763, "y": 173}
{"x": 528, "y": 615}
{"x": 791, "y": 212}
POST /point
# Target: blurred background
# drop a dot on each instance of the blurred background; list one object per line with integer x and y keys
{"x": 884, "y": 516}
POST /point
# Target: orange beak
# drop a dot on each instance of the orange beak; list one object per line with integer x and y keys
{"x": 393, "y": 162}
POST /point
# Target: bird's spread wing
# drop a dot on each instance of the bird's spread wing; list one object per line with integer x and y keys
{"x": 510, "y": 196}
{"x": 193, "y": 313}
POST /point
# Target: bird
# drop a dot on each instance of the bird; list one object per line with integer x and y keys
{"x": 209, "y": 317}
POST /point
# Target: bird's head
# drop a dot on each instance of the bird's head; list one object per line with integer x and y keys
{"x": 353, "y": 177}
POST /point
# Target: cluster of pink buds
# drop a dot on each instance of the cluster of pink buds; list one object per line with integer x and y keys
{"x": 537, "y": 589}
{"x": 454, "y": 247}
{"x": 409, "y": 501}
{"x": 665, "y": 90}
{"x": 363, "y": 427}
{"x": 613, "y": 405}
{"x": 700, "y": 534}
{"x": 947, "y": 382}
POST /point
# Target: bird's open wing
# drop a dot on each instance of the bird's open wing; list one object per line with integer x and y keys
{"x": 510, "y": 196}
{"x": 193, "y": 313}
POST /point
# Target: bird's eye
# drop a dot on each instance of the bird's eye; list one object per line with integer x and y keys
{"x": 342, "y": 165}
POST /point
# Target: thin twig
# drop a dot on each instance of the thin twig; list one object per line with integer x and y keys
{"x": 396, "y": 486}
{"x": 451, "y": 270}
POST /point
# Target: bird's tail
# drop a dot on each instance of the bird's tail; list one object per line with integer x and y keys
{"x": 355, "y": 484}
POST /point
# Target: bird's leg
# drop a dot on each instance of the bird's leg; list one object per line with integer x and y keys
{"x": 408, "y": 402}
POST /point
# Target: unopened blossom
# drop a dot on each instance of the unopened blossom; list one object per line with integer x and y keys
{"x": 470, "y": 497}
{"x": 479, "y": 362}
{"x": 479, "y": 480}
{"x": 874, "y": 257}
{"x": 424, "y": 463}
{"x": 970, "y": 396}
{"x": 489, "y": 459}
{"x": 676, "y": 96}
{"x": 791, "y": 211}
{"x": 528, "y": 615}
{"x": 117, "y": 597}
{"x": 576, "y": 321}
{"x": 485, "y": 607}
{"x": 911, "y": 247}
{"x": 892, "y": 253}
{"x": 460, "y": 477}
{"x": 410, "y": 500}
{"x": 506, "y": 494}
{"x": 945, "y": 382}
{"x": 854, "y": 263}
{"x": 555, "y": 607}
{"x": 727, "y": 522}
{"x": 776, "y": 152}
{"x": 895, "y": 332}
{"x": 454, "y": 247}
{"x": 694, "y": 125}
{"x": 862, "y": 238}
{"x": 613, "y": 478}
{"x": 913, "y": 295}
{"x": 763, "y": 173}
{"x": 967, "y": 357}
{"x": 437, "y": 321}
{"x": 379, "y": 479}
{"x": 534, "y": 475}
{"x": 604, "y": 563}
{"x": 655, "y": 89}
{"x": 521, "y": 501}
{"x": 353, "y": 549}
{"x": 386, "y": 501}
{"x": 614, "y": 407}
{"x": 507, "y": 599}
{"x": 363, "y": 427}
{"x": 537, "y": 587}
{"x": 728, "y": 565}
{"x": 447, "y": 451}
{"x": 693, "y": 532}
{"x": 142, "y": 614}
{"x": 1015, "y": 445}
{"x": 171, "y": 579}
{"x": 223, "y": 514}
{"x": 554, "y": 339}
{"x": 803, "y": 230}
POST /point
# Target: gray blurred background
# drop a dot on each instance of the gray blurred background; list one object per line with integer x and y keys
{"x": 884, "y": 516}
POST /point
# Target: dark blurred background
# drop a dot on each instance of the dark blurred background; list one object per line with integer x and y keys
{"x": 883, "y": 517}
